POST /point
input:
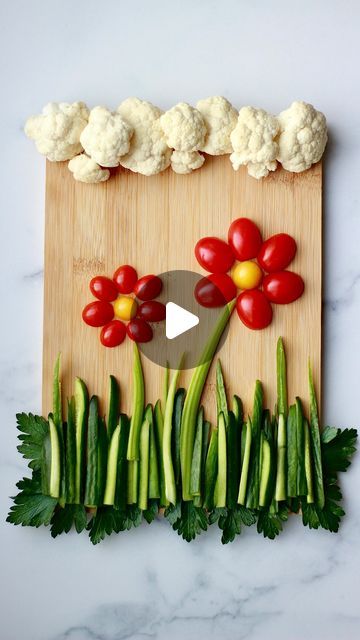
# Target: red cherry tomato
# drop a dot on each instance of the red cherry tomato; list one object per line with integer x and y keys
{"x": 214, "y": 255}
{"x": 215, "y": 290}
{"x": 244, "y": 238}
{"x": 139, "y": 330}
{"x": 277, "y": 252}
{"x": 98, "y": 313}
{"x": 254, "y": 309}
{"x": 148, "y": 287}
{"x": 103, "y": 288}
{"x": 152, "y": 311}
{"x": 283, "y": 287}
{"x": 113, "y": 334}
{"x": 125, "y": 278}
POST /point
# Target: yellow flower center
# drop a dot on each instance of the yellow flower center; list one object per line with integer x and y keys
{"x": 246, "y": 275}
{"x": 125, "y": 307}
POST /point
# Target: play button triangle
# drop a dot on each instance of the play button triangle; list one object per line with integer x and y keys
{"x": 178, "y": 320}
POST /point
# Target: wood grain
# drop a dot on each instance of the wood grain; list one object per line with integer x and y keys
{"x": 154, "y": 223}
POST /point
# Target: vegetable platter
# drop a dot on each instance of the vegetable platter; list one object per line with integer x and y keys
{"x": 154, "y": 223}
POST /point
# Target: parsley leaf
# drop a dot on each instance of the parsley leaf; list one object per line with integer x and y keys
{"x": 64, "y": 518}
{"x": 33, "y": 431}
{"x": 31, "y": 508}
{"x": 192, "y": 521}
{"x": 230, "y": 521}
{"x": 173, "y": 513}
{"x": 151, "y": 512}
{"x": 337, "y": 448}
{"x": 270, "y": 524}
{"x": 108, "y": 520}
{"x": 330, "y": 516}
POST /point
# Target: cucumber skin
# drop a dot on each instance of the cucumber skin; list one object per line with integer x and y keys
{"x": 222, "y": 463}
{"x": 308, "y": 464}
{"x": 159, "y": 430}
{"x": 195, "y": 478}
{"x": 46, "y": 464}
{"x": 176, "y": 431}
{"x": 292, "y": 453}
{"x": 70, "y": 457}
{"x": 154, "y": 481}
{"x": 137, "y": 407}
{"x": 198, "y": 500}
{"x": 114, "y": 406}
{"x": 252, "y": 498}
{"x": 91, "y": 487}
{"x": 121, "y": 472}
{"x": 211, "y": 469}
{"x": 300, "y": 436}
{"x": 265, "y": 493}
{"x": 170, "y": 437}
{"x": 316, "y": 445}
{"x": 144, "y": 465}
{"x": 103, "y": 447}
{"x": 81, "y": 420}
{"x": 58, "y": 422}
{"x": 233, "y": 459}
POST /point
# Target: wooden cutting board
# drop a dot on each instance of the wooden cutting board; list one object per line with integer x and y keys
{"x": 153, "y": 223}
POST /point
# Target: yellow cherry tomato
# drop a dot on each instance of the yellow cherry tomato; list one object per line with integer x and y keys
{"x": 125, "y": 308}
{"x": 246, "y": 275}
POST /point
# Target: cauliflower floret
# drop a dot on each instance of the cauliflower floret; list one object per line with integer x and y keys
{"x": 184, "y": 127}
{"x": 186, "y": 161}
{"x": 149, "y": 153}
{"x": 253, "y": 141}
{"x": 56, "y": 131}
{"x": 106, "y": 137}
{"x": 220, "y": 119}
{"x": 85, "y": 169}
{"x": 303, "y": 136}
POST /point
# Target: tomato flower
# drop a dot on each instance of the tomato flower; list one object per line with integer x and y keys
{"x": 248, "y": 265}
{"x": 124, "y": 306}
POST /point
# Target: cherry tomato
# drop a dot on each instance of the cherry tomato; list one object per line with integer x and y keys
{"x": 139, "y": 330}
{"x": 283, "y": 287}
{"x": 152, "y": 311}
{"x": 277, "y": 252}
{"x": 125, "y": 308}
{"x": 125, "y": 278}
{"x": 254, "y": 309}
{"x": 246, "y": 275}
{"x": 98, "y": 313}
{"x": 148, "y": 287}
{"x": 103, "y": 288}
{"x": 113, "y": 334}
{"x": 214, "y": 255}
{"x": 215, "y": 290}
{"x": 244, "y": 238}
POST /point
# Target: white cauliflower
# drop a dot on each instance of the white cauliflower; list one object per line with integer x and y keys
{"x": 56, "y": 131}
{"x": 106, "y": 137}
{"x": 254, "y": 142}
{"x": 85, "y": 169}
{"x": 220, "y": 118}
{"x": 186, "y": 161}
{"x": 184, "y": 127}
{"x": 303, "y": 136}
{"x": 148, "y": 153}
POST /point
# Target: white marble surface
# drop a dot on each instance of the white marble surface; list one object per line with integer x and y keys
{"x": 148, "y": 583}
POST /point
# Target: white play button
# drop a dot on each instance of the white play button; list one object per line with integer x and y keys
{"x": 178, "y": 320}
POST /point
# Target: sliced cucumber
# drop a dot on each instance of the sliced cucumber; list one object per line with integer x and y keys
{"x": 109, "y": 494}
{"x": 114, "y": 406}
{"x": 233, "y": 458}
{"x": 280, "y": 486}
{"x": 121, "y": 473}
{"x": 144, "y": 465}
{"x": 308, "y": 464}
{"x": 195, "y": 480}
{"x": 292, "y": 453}
{"x": 154, "y": 482}
{"x": 159, "y": 430}
{"x": 92, "y": 453}
{"x": 222, "y": 464}
{"x": 300, "y": 437}
{"x": 70, "y": 454}
{"x": 211, "y": 470}
{"x": 81, "y": 417}
{"x": 247, "y": 430}
{"x": 137, "y": 407}
{"x": 55, "y": 468}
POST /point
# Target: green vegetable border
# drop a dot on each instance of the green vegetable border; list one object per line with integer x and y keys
{"x": 106, "y": 475}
